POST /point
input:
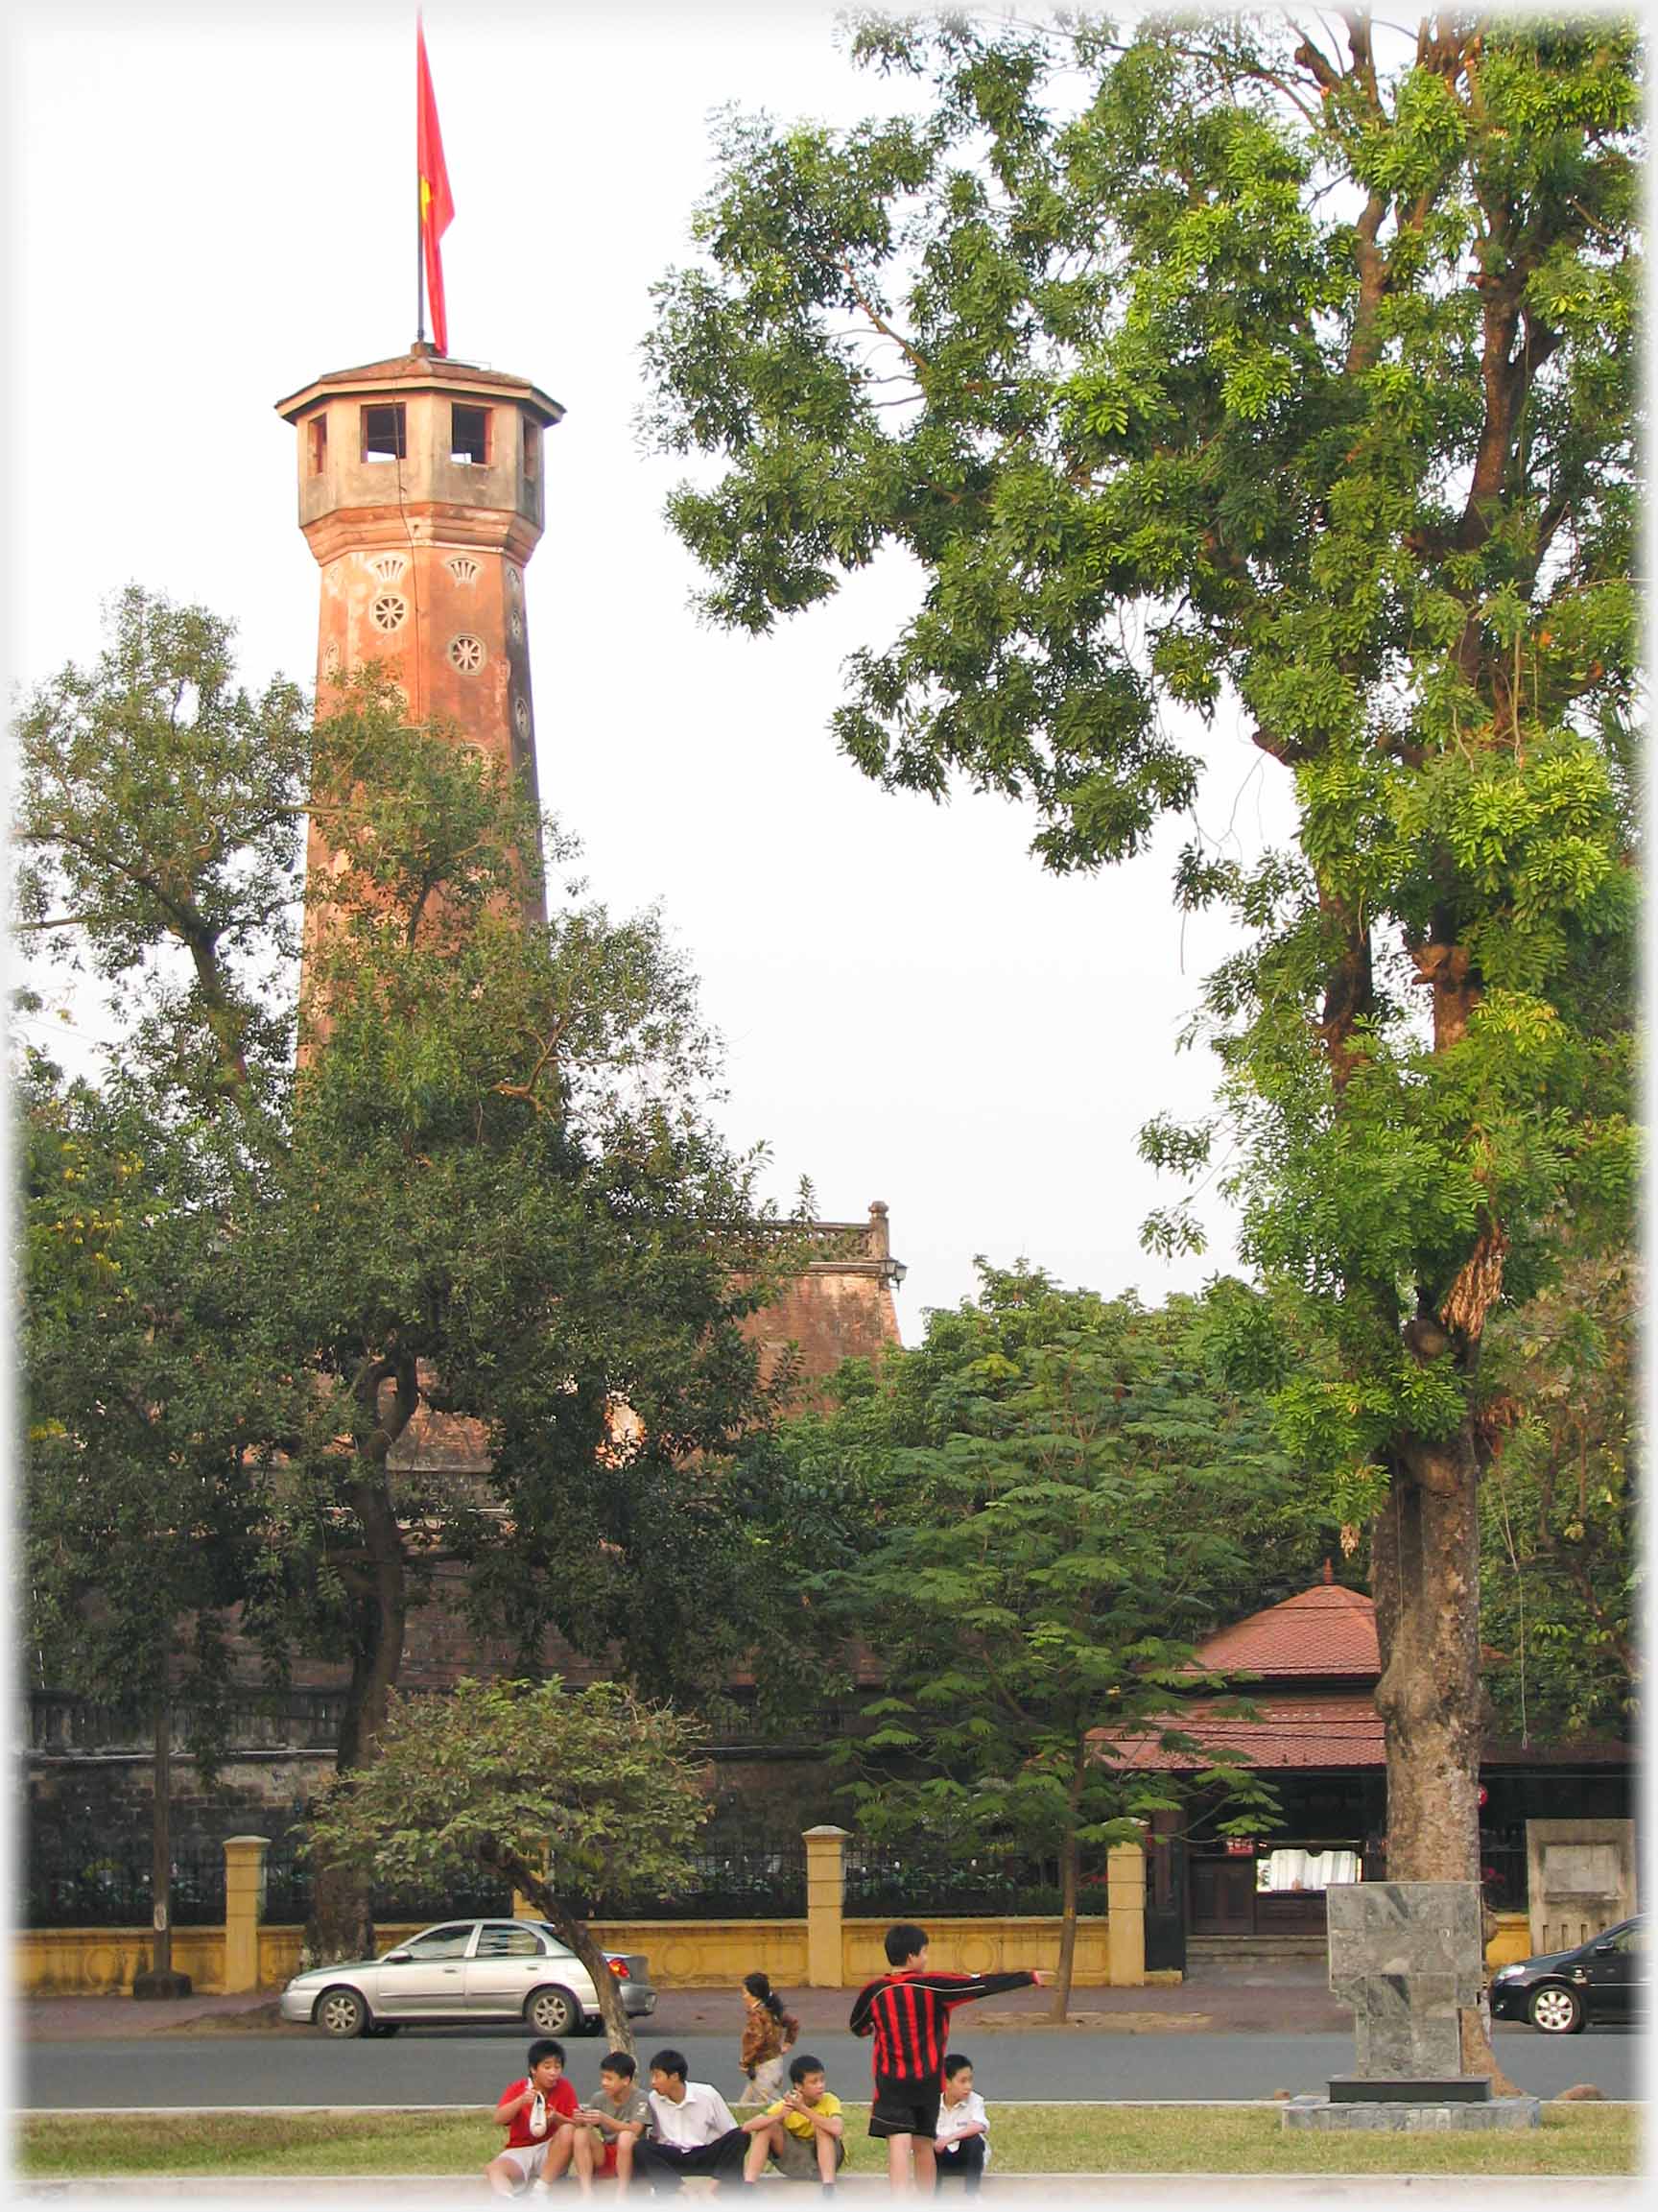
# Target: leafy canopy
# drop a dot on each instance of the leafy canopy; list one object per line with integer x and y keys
{"x": 603, "y": 1789}
{"x": 489, "y": 1188}
{"x": 1040, "y": 1510}
{"x": 1286, "y": 377}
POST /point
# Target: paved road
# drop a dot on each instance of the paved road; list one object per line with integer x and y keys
{"x": 471, "y": 2066}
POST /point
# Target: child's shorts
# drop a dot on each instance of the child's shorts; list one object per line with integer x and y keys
{"x": 528, "y": 2161}
{"x": 904, "y": 2108}
{"x": 797, "y": 2160}
{"x": 604, "y": 2156}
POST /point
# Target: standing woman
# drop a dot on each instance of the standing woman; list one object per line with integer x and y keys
{"x": 769, "y": 2034}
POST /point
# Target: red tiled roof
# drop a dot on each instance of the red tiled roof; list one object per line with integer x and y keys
{"x": 1333, "y": 1731}
{"x": 1326, "y": 1631}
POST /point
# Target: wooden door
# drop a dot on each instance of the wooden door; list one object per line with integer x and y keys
{"x": 1222, "y": 1896}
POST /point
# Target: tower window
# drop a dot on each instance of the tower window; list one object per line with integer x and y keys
{"x": 531, "y": 446}
{"x": 316, "y": 435}
{"x": 469, "y": 435}
{"x": 384, "y": 436}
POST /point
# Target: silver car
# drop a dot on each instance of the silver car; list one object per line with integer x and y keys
{"x": 466, "y": 1970}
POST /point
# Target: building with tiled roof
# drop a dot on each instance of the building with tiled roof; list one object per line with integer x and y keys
{"x": 1328, "y": 1630}
{"x": 1307, "y": 1669}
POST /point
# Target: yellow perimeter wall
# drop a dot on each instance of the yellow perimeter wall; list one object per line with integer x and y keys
{"x": 683, "y": 1953}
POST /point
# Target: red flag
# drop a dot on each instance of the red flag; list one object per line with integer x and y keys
{"x": 437, "y": 206}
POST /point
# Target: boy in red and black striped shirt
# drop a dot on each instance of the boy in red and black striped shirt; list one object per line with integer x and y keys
{"x": 907, "y": 2012}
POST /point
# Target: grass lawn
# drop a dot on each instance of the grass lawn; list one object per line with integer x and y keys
{"x": 1028, "y": 2138}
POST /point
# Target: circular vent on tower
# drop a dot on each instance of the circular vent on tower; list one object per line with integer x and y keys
{"x": 389, "y": 610}
{"x": 466, "y": 653}
{"x": 521, "y": 717}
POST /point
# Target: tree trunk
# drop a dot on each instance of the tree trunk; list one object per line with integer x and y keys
{"x": 571, "y": 1931}
{"x": 1425, "y": 1578}
{"x": 158, "y": 1979}
{"x": 386, "y": 1391}
{"x": 341, "y": 1921}
{"x": 1425, "y": 1570}
{"x": 161, "y": 1842}
{"x": 1060, "y": 2004}
{"x": 1070, "y": 1854}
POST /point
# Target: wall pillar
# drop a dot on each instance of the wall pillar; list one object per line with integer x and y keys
{"x": 243, "y": 1910}
{"x": 825, "y": 1897}
{"x": 522, "y": 1907}
{"x": 1126, "y": 1907}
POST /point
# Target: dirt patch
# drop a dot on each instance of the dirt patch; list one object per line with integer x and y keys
{"x": 1117, "y": 2023}
{"x": 259, "y": 2019}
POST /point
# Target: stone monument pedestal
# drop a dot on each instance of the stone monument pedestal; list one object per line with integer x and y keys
{"x": 1408, "y": 1957}
{"x": 1409, "y": 2089}
{"x": 1415, "y": 2119}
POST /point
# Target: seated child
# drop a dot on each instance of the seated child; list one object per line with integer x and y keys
{"x": 801, "y": 2133}
{"x": 691, "y": 2129}
{"x": 539, "y": 2114}
{"x": 961, "y": 2146}
{"x": 618, "y": 2116}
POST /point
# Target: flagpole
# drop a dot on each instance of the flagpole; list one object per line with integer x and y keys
{"x": 420, "y": 206}
{"x": 419, "y": 262}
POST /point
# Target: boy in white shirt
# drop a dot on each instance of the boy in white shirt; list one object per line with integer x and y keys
{"x": 692, "y": 2130}
{"x": 962, "y": 2145}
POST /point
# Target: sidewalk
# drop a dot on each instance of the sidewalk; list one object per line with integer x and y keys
{"x": 1288, "y": 1997}
{"x": 1120, "y": 2191}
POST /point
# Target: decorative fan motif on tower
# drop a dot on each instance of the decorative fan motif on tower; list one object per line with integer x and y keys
{"x": 389, "y": 567}
{"x": 389, "y": 610}
{"x": 463, "y": 567}
{"x": 466, "y": 653}
{"x": 514, "y": 583}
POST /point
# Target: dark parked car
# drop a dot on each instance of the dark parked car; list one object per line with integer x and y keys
{"x": 1605, "y": 1979}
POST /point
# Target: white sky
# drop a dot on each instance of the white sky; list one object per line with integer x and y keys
{"x": 206, "y": 213}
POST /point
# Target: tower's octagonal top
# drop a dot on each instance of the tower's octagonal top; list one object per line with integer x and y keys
{"x": 421, "y": 435}
{"x": 421, "y": 368}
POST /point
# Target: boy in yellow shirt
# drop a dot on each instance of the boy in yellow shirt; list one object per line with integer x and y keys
{"x": 801, "y": 2131}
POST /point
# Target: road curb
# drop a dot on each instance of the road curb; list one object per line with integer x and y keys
{"x": 1121, "y": 2191}
{"x": 848, "y": 2105}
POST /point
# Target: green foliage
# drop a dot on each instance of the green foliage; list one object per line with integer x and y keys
{"x": 144, "y": 1393}
{"x": 604, "y": 1789}
{"x": 1286, "y": 374}
{"x": 161, "y": 808}
{"x": 493, "y": 1190}
{"x": 1032, "y": 1518}
{"x": 1561, "y": 1570}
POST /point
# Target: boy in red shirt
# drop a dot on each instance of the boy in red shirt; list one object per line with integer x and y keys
{"x": 907, "y": 2012}
{"x": 542, "y": 2137}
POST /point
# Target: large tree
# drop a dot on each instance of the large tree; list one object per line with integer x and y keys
{"x": 490, "y": 1189}
{"x": 1037, "y": 1513}
{"x": 1236, "y": 370}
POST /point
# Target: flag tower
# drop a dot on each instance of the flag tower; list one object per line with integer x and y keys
{"x": 421, "y": 498}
